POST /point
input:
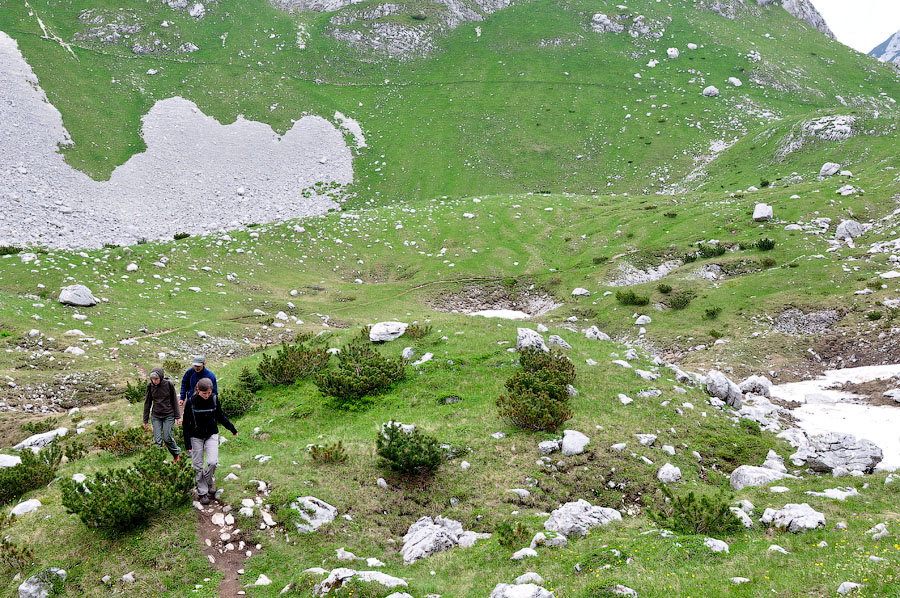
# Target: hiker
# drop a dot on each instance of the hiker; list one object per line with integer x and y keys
{"x": 161, "y": 408}
{"x": 202, "y": 411}
{"x": 191, "y": 377}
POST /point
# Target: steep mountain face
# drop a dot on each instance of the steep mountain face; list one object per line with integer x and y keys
{"x": 889, "y": 50}
{"x": 802, "y": 9}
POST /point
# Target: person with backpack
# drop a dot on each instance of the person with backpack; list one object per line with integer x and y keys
{"x": 202, "y": 413}
{"x": 161, "y": 409}
{"x": 196, "y": 373}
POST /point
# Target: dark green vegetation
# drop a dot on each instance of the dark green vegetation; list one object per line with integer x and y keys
{"x": 537, "y": 397}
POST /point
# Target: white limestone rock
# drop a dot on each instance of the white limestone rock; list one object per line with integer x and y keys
{"x": 574, "y": 442}
{"x": 526, "y": 338}
{"x": 384, "y": 332}
{"x": 77, "y": 295}
{"x": 794, "y": 517}
{"x": 314, "y": 512}
{"x": 749, "y": 475}
{"x": 576, "y": 518}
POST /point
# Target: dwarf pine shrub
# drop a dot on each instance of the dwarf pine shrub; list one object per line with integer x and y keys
{"x": 249, "y": 380}
{"x": 236, "y": 401}
{"x": 511, "y": 533}
{"x": 407, "y": 452}
{"x": 329, "y": 453}
{"x": 416, "y": 332}
{"x": 135, "y": 393}
{"x": 121, "y": 442}
{"x": 12, "y": 556}
{"x": 765, "y": 244}
{"x": 293, "y": 361}
{"x": 536, "y": 396}
{"x": 121, "y": 499}
{"x": 362, "y": 373}
{"x": 40, "y": 426}
{"x": 708, "y": 516}
{"x": 75, "y": 450}
{"x": 631, "y": 298}
{"x": 708, "y": 251}
{"x": 35, "y": 470}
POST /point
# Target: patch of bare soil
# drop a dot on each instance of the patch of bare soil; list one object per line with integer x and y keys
{"x": 872, "y": 393}
{"x": 481, "y": 296}
{"x": 857, "y": 349}
{"x": 215, "y": 541}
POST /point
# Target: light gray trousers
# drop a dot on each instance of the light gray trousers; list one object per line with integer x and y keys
{"x": 208, "y": 447}
{"x": 163, "y": 433}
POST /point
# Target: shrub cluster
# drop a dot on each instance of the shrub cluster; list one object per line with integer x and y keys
{"x": 293, "y": 361}
{"x": 40, "y": 426}
{"x": 711, "y": 313}
{"x": 415, "y": 331}
{"x": 708, "y": 516}
{"x": 407, "y": 452}
{"x": 631, "y": 298}
{"x": 329, "y": 453}
{"x": 680, "y": 301}
{"x": 511, "y": 533}
{"x": 173, "y": 366}
{"x": 35, "y": 470}
{"x": 236, "y": 401}
{"x": 75, "y": 450}
{"x": 537, "y": 396}
{"x": 121, "y": 499}
{"x": 121, "y": 443}
{"x": 664, "y": 288}
{"x": 765, "y": 244}
{"x": 362, "y": 372}
{"x": 12, "y": 556}
{"x": 135, "y": 393}
{"x": 708, "y": 251}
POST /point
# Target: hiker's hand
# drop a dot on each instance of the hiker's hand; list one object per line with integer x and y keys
{"x": 180, "y": 402}
{"x": 235, "y": 434}
{"x": 145, "y": 426}
{"x": 188, "y": 451}
{"x": 178, "y": 422}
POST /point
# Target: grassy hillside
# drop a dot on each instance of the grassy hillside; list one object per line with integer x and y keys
{"x": 537, "y": 101}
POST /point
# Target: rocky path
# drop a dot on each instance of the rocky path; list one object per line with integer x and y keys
{"x": 223, "y": 544}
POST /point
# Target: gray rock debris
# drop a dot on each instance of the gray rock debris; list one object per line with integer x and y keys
{"x": 721, "y": 387}
{"x": 526, "y": 338}
{"x": 849, "y": 229}
{"x": 383, "y": 332}
{"x": 40, "y": 584}
{"x": 750, "y": 475}
{"x": 314, "y": 512}
{"x": 763, "y": 213}
{"x": 668, "y": 474}
{"x": 39, "y": 441}
{"x": 794, "y": 517}
{"x": 77, "y": 295}
{"x": 829, "y": 169}
{"x": 527, "y": 590}
{"x": 429, "y": 536}
{"x": 558, "y": 341}
{"x": 337, "y": 577}
{"x": 833, "y": 450}
{"x": 576, "y": 518}
{"x": 757, "y": 385}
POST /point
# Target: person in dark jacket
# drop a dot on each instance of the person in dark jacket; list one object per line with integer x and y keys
{"x": 201, "y": 435}
{"x": 191, "y": 377}
{"x": 161, "y": 409}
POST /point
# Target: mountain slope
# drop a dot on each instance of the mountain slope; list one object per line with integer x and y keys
{"x": 889, "y": 50}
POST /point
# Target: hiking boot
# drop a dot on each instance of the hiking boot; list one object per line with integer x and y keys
{"x": 204, "y": 499}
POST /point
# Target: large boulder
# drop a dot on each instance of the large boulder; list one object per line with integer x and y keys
{"x": 40, "y": 584}
{"x": 77, "y": 295}
{"x": 749, "y": 475}
{"x": 429, "y": 536}
{"x": 526, "y": 338}
{"x": 711, "y": 92}
{"x": 593, "y": 333}
{"x": 794, "y": 518}
{"x": 384, "y": 332}
{"x": 668, "y": 474}
{"x": 849, "y": 229}
{"x": 25, "y": 507}
{"x": 829, "y": 169}
{"x": 39, "y": 441}
{"x": 314, "y": 513}
{"x": 574, "y": 442}
{"x": 721, "y": 387}
{"x": 524, "y": 590}
{"x": 834, "y": 450}
{"x": 757, "y": 385}
{"x": 338, "y": 576}
{"x": 576, "y": 518}
{"x": 763, "y": 213}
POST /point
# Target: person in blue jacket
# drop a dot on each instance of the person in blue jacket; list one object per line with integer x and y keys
{"x": 191, "y": 377}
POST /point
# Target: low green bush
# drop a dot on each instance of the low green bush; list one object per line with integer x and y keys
{"x": 293, "y": 361}
{"x": 35, "y": 470}
{"x": 536, "y": 396}
{"x": 511, "y": 533}
{"x": 707, "y": 251}
{"x": 708, "y": 516}
{"x": 236, "y": 401}
{"x": 664, "y": 288}
{"x": 362, "y": 372}
{"x": 121, "y": 499}
{"x": 407, "y": 452}
{"x": 765, "y": 244}
{"x": 553, "y": 363}
{"x": 534, "y": 411}
{"x": 711, "y": 313}
{"x": 75, "y": 450}
{"x": 13, "y": 558}
{"x": 328, "y": 453}
{"x": 680, "y": 300}
{"x": 872, "y": 315}
{"x": 41, "y": 426}
{"x": 767, "y": 262}
{"x": 416, "y": 332}
{"x": 249, "y": 380}
{"x": 173, "y": 367}
{"x": 135, "y": 393}
{"x": 9, "y": 250}
{"x": 121, "y": 442}
{"x": 180, "y": 236}
{"x": 631, "y": 298}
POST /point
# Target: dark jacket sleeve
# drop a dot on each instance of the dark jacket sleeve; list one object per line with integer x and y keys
{"x": 187, "y": 425}
{"x": 186, "y": 385}
{"x": 147, "y": 402}
{"x": 174, "y": 398}
{"x": 220, "y": 417}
